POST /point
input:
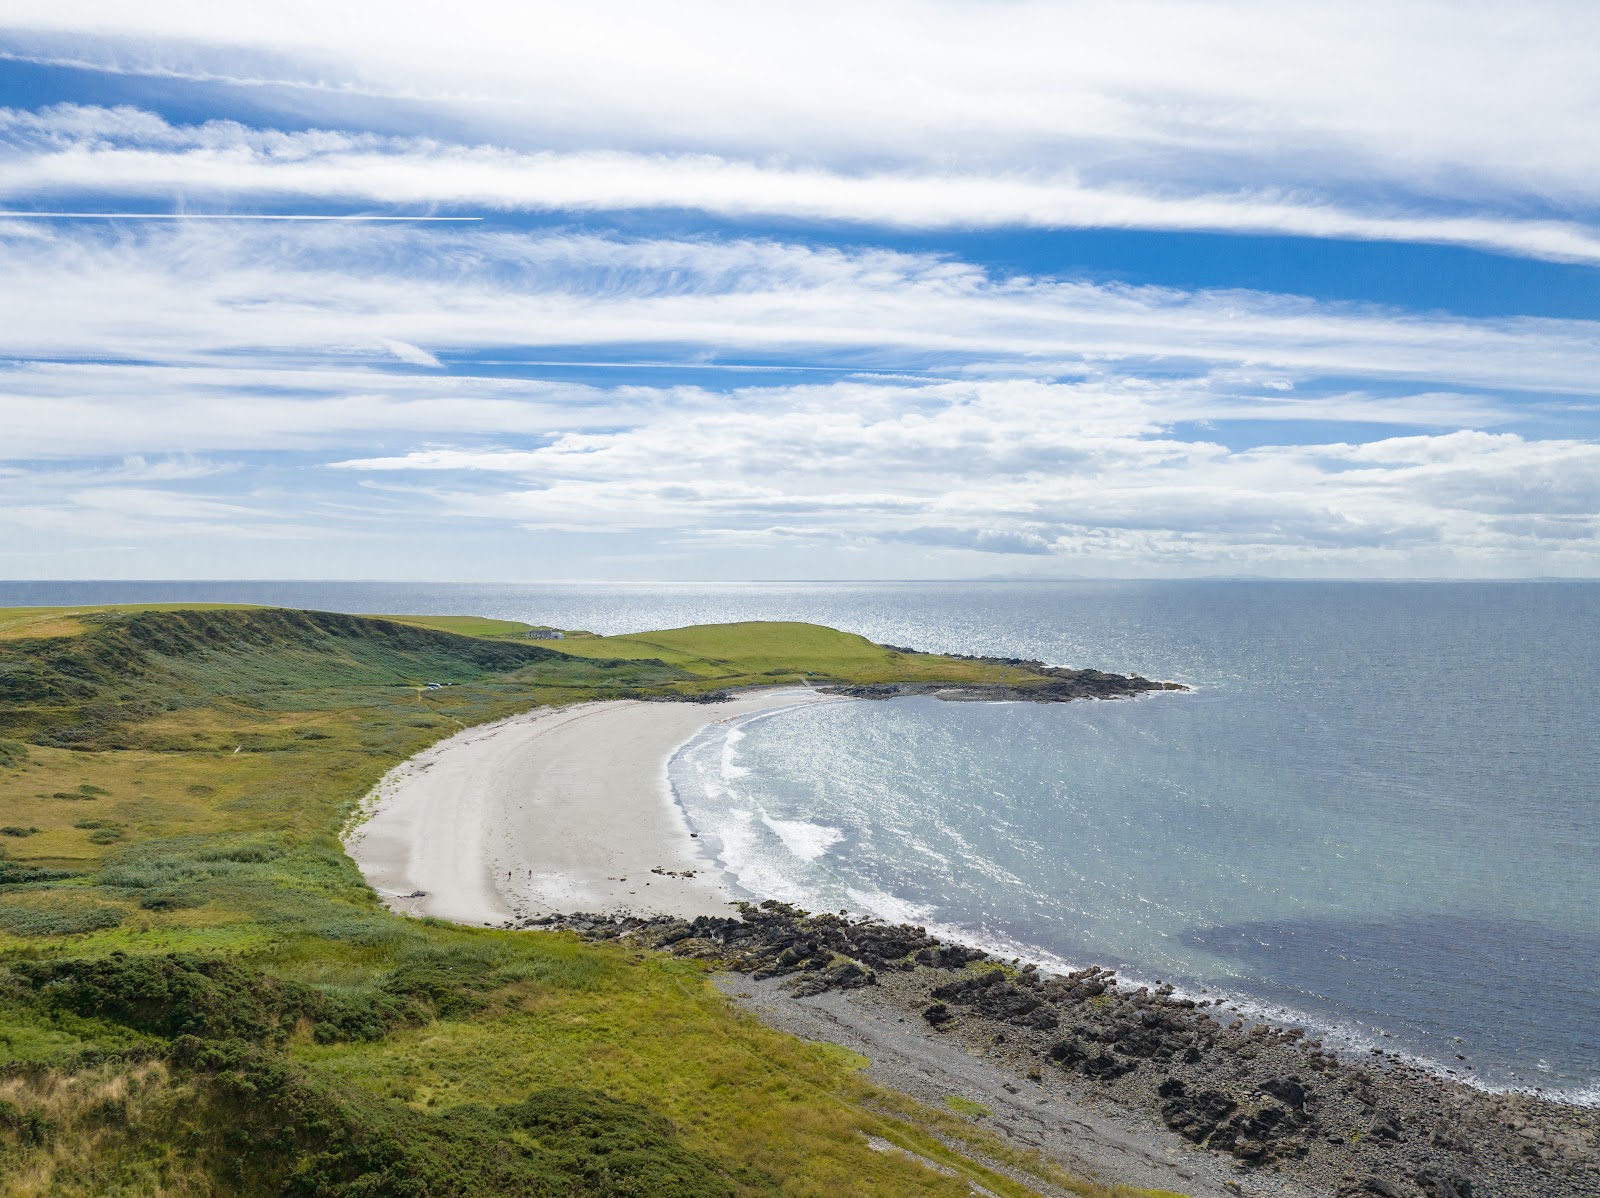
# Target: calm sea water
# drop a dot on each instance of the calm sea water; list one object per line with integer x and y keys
{"x": 1378, "y": 813}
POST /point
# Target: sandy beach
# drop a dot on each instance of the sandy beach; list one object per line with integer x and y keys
{"x": 550, "y": 811}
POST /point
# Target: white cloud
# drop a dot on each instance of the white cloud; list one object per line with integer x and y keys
{"x": 1458, "y": 98}
{"x": 413, "y": 354}
{"x": 960, "y": 473}
{"x": 73, "y": 151}
{"x": 304, "y": 346}
{"x": 303, "y": 296}
{"x": 65, "y": 509}
{"x": 91, "y": 410}
{"x": 1037, "y": 471}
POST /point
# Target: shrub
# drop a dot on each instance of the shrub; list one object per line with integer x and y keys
{"x": 27, "y": 919}
{"x": 443, "y": 982}
{"x": 172, "y": 995}
{"x": 14, "y": 874}
{"x": 15, "y": 830}
{"x": 212, "y": 998}
{"x": 292, "y": 1133}
{"x": 12, "y": 754}
{"x": 614, "y": 1147}
{"x": 82, "y": 794}
{"x": 248, "y": 852}
{"x": 30, "y": 1127}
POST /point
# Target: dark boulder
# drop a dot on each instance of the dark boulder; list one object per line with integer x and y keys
{"x": 993, "y": 995}
{"x": 846, "y": 975}
{"x": 1368, "y": 1187}
{"x": 1385, "y": 1125}
{"x": 1444, "y": 1185}
{"x": 1195, "y": 1117}
{"x": 1289, "y": 1090}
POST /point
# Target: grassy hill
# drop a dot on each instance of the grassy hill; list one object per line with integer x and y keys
{"x": 110, "y": 686}
{"x": 480, "y": 626}
{"x": 32, "y": 623}
{"x": 762, "y": 653}
{"x": 199, "y": 995}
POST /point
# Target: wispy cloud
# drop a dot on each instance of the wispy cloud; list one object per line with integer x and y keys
{"x": 294, "y": 296}
{"x": 1016, "y": 470}
{"x": 1436, "y": 97}
{"x": 72, "y": 152}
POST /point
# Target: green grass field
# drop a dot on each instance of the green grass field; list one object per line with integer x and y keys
{"x": 754, "y": 654}
{"x": 199, "y": 995}
{"x": 465, "y": 625}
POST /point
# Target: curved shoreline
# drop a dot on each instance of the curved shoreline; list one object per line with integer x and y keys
{"x": 523, "y": 822}
{"x": 560, "y": 811}
{"x": 554, "y": 810}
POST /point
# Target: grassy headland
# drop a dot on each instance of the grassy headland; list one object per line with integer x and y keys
{"x": 200, "y": 995}
{"x": 761, "y": 654}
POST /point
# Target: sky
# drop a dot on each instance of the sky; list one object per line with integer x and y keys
{"x": 524, "y": 291}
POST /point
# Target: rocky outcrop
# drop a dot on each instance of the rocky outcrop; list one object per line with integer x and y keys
{"x": 773, "y": 939}
{"x": 1052, "y": 684}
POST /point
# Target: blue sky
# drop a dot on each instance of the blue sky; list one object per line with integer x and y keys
{"x": 875, "y": 290}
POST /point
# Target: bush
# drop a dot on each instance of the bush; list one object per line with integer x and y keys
{"x": 30, "y": 1127}
{"x": 27, "y": 919}
{"x": 172, "y": 995}
{"x": 291, "y": 1133}
{"x": 14, "y": 874}
{"x": 614, "y": 1147}
{"x": 247, "y": 853}
{"x": 84, "y": 794}
{"x": 212, "y": 998}
{"x": 444, "y": 981}
{"x": 14, "y": 830}
{"x": 12, "y": 754}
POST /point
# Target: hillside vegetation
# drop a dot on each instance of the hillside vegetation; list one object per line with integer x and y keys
{"x": 481, "y": 626}
{"x": 199, "y": 995}
{"x": 32, "y": 623}
{"x": 762, "y": 653}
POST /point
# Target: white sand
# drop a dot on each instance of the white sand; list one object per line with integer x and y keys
{"x": 558, "y": 810}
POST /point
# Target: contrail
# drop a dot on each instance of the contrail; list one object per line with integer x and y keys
{"x": 216, "y": 216}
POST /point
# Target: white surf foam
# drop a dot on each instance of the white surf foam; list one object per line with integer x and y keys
{"x": 806, "y": 841}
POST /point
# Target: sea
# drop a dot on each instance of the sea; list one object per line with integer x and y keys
{"x": 1376, "y": 814}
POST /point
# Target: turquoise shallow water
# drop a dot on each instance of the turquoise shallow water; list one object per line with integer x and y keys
{"x": 1377, "y": 812}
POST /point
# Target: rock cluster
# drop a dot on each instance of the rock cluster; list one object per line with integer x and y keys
{"x": 1066, "y": 686}
{"x": 1273, "y": 1099}
{"x": 773, "y": 939}
{"x": 1053, "y": 684}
